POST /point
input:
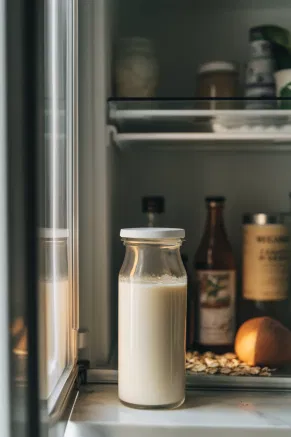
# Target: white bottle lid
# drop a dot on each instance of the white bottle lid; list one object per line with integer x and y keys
{"x": 152, "y": 233}
{"x": 217, "y": 66}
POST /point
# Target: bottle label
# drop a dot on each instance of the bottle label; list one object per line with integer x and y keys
{"x": 216, "y": 306}
{"x": 266, "y": 254}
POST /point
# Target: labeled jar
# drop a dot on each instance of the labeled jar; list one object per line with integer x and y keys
{"x": 217, "y": 80}
{"x": 260, "y": 97}
{"x": 262, "y": 39}
{"x": 259, "y": 81}
{"x": 260, "y": 72}
{"x": 152, "y": 300}
{"x": 265, "y": 257}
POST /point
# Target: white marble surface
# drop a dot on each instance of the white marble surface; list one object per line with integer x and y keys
{"x": 235, "y": 414}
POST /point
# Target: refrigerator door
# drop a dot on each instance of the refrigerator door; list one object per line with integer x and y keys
{"x": 39, "y": 219}
{"x": 6, "y": 410}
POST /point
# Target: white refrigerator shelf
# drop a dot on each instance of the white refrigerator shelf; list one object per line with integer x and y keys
{"x": 155, "y": 122}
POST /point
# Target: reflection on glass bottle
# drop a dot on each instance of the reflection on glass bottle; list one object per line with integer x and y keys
{"x": 54, "y": 306}
{"x": 216, "y": 283}
{"x": 154, "y": 207}
{"x": 190, "y": 328}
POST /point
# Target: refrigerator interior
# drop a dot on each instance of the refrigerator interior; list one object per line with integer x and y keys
{"x": 113, "y": 181}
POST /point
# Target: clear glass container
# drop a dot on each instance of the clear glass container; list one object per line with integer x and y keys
{"x": 152, "y": 319}
{"x": 218, "y": 84}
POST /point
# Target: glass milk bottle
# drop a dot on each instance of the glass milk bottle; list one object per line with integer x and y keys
{"x": 152, "y": 319}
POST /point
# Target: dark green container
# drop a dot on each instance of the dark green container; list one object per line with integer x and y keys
{"x": 273, "y": 34}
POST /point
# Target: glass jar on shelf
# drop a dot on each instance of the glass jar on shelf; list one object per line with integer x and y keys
{"x": 136, "y": 72}
{"x": 217, "y": 80}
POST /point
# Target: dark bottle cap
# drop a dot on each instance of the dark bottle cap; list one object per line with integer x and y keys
{"x": 155, "y": 204}
{"x": 215, "y": 199}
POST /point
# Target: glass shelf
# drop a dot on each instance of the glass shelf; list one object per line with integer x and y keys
{"x": 157, "y": 122}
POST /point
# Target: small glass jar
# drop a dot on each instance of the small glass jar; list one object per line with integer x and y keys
{"x": 152, "y": 319}
{"x": 217, "y": 80}
{"x": 136, "y": 68}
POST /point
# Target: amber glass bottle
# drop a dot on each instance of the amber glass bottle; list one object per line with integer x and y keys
{"x": 216, "y": 284}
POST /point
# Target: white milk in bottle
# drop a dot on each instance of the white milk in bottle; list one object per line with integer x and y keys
{"x": 152, "y": 319}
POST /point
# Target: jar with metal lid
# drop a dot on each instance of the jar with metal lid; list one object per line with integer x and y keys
{"x": 152, "y": 319}
{"x": 216, "y": 80}
{"x": 266, "y": 256}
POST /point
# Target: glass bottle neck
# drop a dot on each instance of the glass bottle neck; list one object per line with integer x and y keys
{"x": 215, "y": 220}
{"x": 152, "y": 259}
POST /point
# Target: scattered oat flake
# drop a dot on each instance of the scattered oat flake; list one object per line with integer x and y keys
{"x": 254, "y": 370}
{"x": 238, "y": 372}
{"x": 222, "y": 361}
{"x": 230, "y": 356}
{"x": 265, "y": 369}
{"x": 194, "y": 360}
{"x": 212, "y": 371}
{"x": 188, "y": 355}
{"x": 227, "y": 364}
{"x": 209, "y": 355}
{"x": 211, "y": 362}
{"x": 225, "y": 370}
{"x": 199, "y": 367}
